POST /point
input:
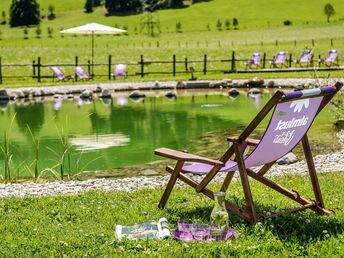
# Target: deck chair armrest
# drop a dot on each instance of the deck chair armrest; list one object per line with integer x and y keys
{"x": 249, "y": 141}
{"x": 183, "y": 156}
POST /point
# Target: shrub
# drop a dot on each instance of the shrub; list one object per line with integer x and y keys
{"x": 178, "y": 27}
{"x": 235, "y": 23}
{"x": 287, "y": 22}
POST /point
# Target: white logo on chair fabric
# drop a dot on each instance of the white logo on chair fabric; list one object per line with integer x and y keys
{"x": 299, "y": 104}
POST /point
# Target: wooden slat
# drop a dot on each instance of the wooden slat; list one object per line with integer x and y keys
{"x": 311, "y": 170}
{"x": 183, "y": 156}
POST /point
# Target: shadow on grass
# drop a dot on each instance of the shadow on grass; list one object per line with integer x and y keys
{"x": 302, "y": 227}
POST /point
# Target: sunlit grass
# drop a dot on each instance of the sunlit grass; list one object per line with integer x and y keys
{"x": 84, "y": 224}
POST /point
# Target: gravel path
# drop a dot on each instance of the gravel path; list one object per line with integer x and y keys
{"x": 324, "y": 163}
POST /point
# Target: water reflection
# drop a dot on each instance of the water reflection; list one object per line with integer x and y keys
{"x": 98, "y": 142}
{"x": 120, "y": 133}
{"x": 30, "y": 115}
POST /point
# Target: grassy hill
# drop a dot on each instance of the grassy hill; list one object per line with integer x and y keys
{"x": 260, "y": 25}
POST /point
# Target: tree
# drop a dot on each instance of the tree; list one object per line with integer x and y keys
{"x": 38, "y": 32}
{"x": 329, "y": 11}
{"x": 26, "y": 33}
{"x": 3, "y": 15}
{"x": 235, "y": 23}
{"x": 24, "y": 12}
{"x": 123, "y": 6}
{"x": 51, "y": 15}
{"x": 89, "y": 6}
{"x": 227, "y": 24}
{"x": 178, "y": 27}
{"x": 176, "y": 3}
{"x": 219, "y": 25}
{"x": 97, "y": 3}
{"x": 50, "y": 32}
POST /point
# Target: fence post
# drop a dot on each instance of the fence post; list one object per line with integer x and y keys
{"x": 264, "y": 59}
{"x": 205, "y": 65}
{"x": 331, "y": 42}
{"x": 142, "y": 67}
{"x": 186, "y": 64}
{"x": 89, "y": 68}
{"x": 313, "y": 42}
{"x": 174, "y": 65}
{"x": 33, "y": 68}
{"x": 290, "y": 60}
{"x": 233, "y": 62}
{"x": 0, "y": 71}
{"x": 39, "y": 69}
{"x": 276, "y": 43}
{"x": 76, "y": 64}
{"x": 109, "y": 67}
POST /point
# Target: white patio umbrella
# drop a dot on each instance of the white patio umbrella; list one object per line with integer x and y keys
{"x": 93, "y": 28}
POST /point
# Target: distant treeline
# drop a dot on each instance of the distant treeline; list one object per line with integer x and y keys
{"x": 138, "y": 6}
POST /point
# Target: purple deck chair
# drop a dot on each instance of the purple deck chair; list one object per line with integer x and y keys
{"x": 292, "y": 115}
{"x": 280, "y": 60}
{"x": 81, "y": 74}
{"x": 306, "y": 58}
{"x": 120, "y": 70}
{"x": 331, "y": 59}
{"x": 254, "y": 62}
{"x": 60, "y": 75}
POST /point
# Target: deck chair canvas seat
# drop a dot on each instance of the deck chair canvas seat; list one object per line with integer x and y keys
{"x": 292, "y": 115}
{"x": 120, "y": 70}
{"x": 280, "y": 60}
{"x": 306, "y": 58}
{"x": 81, "y": 74}
{"x": 60, "y": 75}
{"x": 331, "y": 59}
{"x": 254, "y": 62}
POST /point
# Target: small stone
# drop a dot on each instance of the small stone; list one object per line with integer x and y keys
{"x": 86, "y": 94}
{"x": 290, "y": 158}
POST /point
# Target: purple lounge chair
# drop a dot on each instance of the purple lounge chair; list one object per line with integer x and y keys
{"x": 60, "y": 75}
{"x": 331, "y": 59}
{"x": 81, "y": 74}
{"x": 120, "y": 70}
{"x": 292, "y": 115}
{"x": 280, "y": 60}
{"x": 254, "y": 62}
{"x": 306, "y": 58}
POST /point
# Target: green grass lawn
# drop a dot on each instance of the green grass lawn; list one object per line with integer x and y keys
{"x": 83, "y": 225}
{"x": 260, "y": 26}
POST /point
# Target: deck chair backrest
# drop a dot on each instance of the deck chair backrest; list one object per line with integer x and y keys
{"x": 256, "y": 58}
{"x": 58, "y": 73}
{"x": 120, "y": 70}
{"x": 81, "y": 73}
{"x": 289, "y": 122}
{"x": 306, "y": 56}
{"x": 280, "y": 57}
{"x": 331, "y": 55}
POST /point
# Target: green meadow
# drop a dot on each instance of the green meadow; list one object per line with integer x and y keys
{"x": 260, "y": 29}
{"x": 84, "y": 225}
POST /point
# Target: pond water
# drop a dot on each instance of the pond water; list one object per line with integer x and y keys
{"x": 102, "y": 135}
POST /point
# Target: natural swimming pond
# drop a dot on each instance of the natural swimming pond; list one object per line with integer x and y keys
{"x": 101, "y": 135}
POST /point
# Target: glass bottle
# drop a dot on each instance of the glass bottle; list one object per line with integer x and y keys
{"x": 219, "y": 218}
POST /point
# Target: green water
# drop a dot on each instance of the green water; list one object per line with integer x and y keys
{"x": 121, "y": 133}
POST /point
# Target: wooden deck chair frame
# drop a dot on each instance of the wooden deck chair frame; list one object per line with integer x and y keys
{"x": 248, "y": 212}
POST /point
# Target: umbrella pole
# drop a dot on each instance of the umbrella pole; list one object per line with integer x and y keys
{"x": 92, "y": 53}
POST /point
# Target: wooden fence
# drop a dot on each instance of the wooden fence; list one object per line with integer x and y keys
{"x": 145, "y": 67}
